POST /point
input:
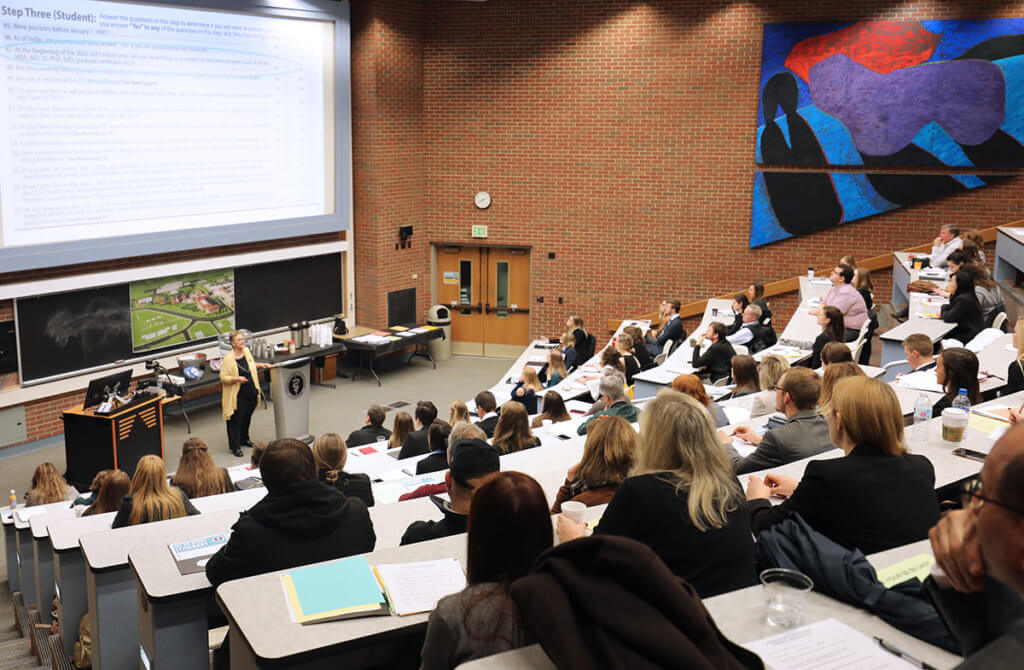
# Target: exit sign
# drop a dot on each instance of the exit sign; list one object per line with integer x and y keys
{"x": 479, "y": 231}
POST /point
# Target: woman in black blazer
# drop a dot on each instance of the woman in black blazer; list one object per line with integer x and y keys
{"x": 876, "y": 497}
{"x": 956, "y": 369}
{"x": 717, "y": 360}
{"x": 963, "y": 308}
{"x": 833, "y": 329}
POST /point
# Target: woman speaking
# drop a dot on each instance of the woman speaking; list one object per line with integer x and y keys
{"x": 240, "y": 391}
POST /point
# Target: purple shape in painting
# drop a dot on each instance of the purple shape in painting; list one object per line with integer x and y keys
{"x": 883, "y": 112}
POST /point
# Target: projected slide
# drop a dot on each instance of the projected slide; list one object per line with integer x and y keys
{"x": 180, "y": 309}
{"x": 122, "y": 119}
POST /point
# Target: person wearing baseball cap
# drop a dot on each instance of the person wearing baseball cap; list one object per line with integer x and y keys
{"x": 469, "y": 462}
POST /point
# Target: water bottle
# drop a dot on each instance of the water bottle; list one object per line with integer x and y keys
{"x": 961, "y": 402}
{"x": 922, "y": 413}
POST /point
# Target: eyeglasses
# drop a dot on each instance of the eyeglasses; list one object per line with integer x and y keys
{"x": 971, "y": 498}
{"x": 780, "y": 388}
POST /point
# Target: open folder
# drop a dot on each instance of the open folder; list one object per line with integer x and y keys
{"x": 342, "y": 589}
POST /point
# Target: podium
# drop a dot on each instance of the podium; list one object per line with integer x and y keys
{"x": 289, "y": 389}
{"x": 94, "y": 442}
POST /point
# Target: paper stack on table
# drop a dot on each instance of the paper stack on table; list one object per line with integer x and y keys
{"x": 824, "y": 645}
{"x": 414, "y": 588}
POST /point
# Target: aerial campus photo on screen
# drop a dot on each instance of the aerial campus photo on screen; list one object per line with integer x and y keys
{"x": 184, "y": 308}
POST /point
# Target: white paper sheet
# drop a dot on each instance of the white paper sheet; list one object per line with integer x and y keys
{"x": 825, "y": 645}
{"x": 416, "y": 587}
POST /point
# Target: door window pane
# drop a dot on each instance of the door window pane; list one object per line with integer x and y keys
{"x": 466, "y": 282}
{"x": 501, "y": 287}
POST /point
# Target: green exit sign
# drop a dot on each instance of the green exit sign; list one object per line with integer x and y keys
{"x": 479, "y": 231}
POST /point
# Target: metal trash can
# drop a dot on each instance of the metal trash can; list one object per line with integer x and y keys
{"x": 440, "y": 349}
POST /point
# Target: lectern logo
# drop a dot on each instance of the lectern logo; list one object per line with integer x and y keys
{"x": 296, "y": 385}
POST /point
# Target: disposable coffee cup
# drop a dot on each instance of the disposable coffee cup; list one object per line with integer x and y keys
{"x": 954, "y": 425}
{"x": 810, "y": 273}
{"x": 574, "y": 510}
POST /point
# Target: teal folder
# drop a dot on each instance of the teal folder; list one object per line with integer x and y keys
{"x": 335, "y": 590}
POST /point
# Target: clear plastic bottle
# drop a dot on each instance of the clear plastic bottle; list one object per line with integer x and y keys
{"x": 961, "y": 402}
{"x": 922, "y": 413}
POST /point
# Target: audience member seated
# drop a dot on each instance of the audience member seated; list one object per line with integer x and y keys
{"x": 985, "y": 539}
{"x": 755, "y": 293}
{"x": 692, "y": 386}
{"x": 486, "y": 409}
{"x": 946, "y": 243}
{"x": 510, "y": 528}
{"x": 832, "y": 374}
{"x": 751, "y": 334}
{"x": 150, "y": 498}
{"x": 804, "y": 434}
{"x": 457, "y": 412}
{"x": 920, "y": 352}
{"x": 400, "y": 429}
{"x": 835, "y": 352}
{"x": 416, "y": 442}
{"x": 512, "y": 432}
{"x": 956, "y": 369}
{"x": 744, "y": 376}
{"x": 671, "y": 328}
{"x": 861, "y": 281}
{"x": 301, "y": 520}
{"x": 716, "y": 361}
{"x": 114, "y": 487}
{"x": 526, "y": 390}
{"x": 611, "y": 361}
{"x": 985, "y": 290}
{"x": 832, "y": 330}
{"x": 848, "y": 299}
{"x": 437, "y": 436}
{"x": 1015, "y": 371}
{"x": 370, "y": 433}
{"x": 330, "y": 455}
{"x": 553, "y": 410}
{"x": 613, "y": 394}
{"x": 963, "y": 308}
{"x": 585, "y": 345}
{"x": 568, "y": 344}
{"x": 94, "y": 488}
{"x": 624, "y": 345}
{"x": 471, "y": 461}
{"x": 258, "y": 449}
{"x": 48, "y": 486}
{"x": 876, "y": 497}
{"x": 639, "y": 350}
{"x": 682, "y": 500}
{"x": 769, "y": 371}
{"x": 198, "y": 476}
{"x": 739, "y": 303}
{"x": 973, "y": 237}
{"x": 460, "y": 431}
{"x": 607, "y": 458}
{"x": 556, "y": 371}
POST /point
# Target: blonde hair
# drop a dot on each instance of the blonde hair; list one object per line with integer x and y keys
{"x": 770, "y": 370}
{"x": 556, "y": 363}
{"x": 330, "y": 455}
{"x": 834, "y": 372}
{"x": 48, "y": 485}
{"x": 197, "y": 474}
{"x": 531, "y": 380}
{"x": 1018, "y": 329}
{"x": 401, "y": 429}
{"x": 608, "y": 452}
{"x": 870, "y": 414}
{"x": 512, "y": 432}
{"x": 152, "y": 498}
{"x": 677, "y": 437}
{"x": 567, "y": 340}
{"x": 457, "y": 412}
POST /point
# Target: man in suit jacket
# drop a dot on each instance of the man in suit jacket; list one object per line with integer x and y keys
{"x": 804, "y": 434}
{"x": 373, "y": 429}
{"x": 716, "y": 362}
{"x": 920, "y": 351}
{"x": 613, "y": 393}
{"x": 487, "y": 410}
{"x": 416, "y": 442}
{"x": 671, "y": 329}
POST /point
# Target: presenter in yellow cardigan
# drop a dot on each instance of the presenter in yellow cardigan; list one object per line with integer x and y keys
{"x": 240, "y": 391}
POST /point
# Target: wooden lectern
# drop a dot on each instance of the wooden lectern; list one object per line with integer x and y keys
{"x": 94, "y": 442}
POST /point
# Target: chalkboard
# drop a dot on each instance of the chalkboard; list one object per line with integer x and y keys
{"x": 62, "y": 333}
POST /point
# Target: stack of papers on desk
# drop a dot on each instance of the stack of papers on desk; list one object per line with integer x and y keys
{"x": 924, "y": 380}
{"x": 331, "y": 591}
{"x": 414, "y": 588}
{"x": 824, "y": 645}
{"x": 405, "y": 333}
{"x": 371, "y": 338}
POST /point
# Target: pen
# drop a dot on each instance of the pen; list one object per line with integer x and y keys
{"x": 896, "y": 651}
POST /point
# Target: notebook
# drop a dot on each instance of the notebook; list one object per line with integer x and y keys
{"x": 342, "y": 589}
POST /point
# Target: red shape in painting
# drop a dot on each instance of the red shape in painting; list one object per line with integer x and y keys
{"x": 882, "y": 46}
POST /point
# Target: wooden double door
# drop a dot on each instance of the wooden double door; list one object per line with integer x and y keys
{"x": 488, "y": 291}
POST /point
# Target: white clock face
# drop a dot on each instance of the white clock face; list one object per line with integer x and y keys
{"x": 482, "y": 199}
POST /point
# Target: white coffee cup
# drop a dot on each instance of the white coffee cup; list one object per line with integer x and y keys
{"x": 954, "y": 425}
{"x": 810, "y": 273}
{"x": 574, "y": 510}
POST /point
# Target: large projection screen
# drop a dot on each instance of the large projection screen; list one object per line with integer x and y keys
{"x": 140, "y": 128}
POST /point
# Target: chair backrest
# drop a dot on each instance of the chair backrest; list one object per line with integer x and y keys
{"x": 740, "y": 349}
{"x": 724, "y": 381}
{"x": 891, "y": 369}
{"x": 675, "y": 345}
{"x": 999, "y": 320}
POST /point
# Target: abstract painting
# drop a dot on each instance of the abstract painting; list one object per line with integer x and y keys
{"x": 876, "y": 95}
